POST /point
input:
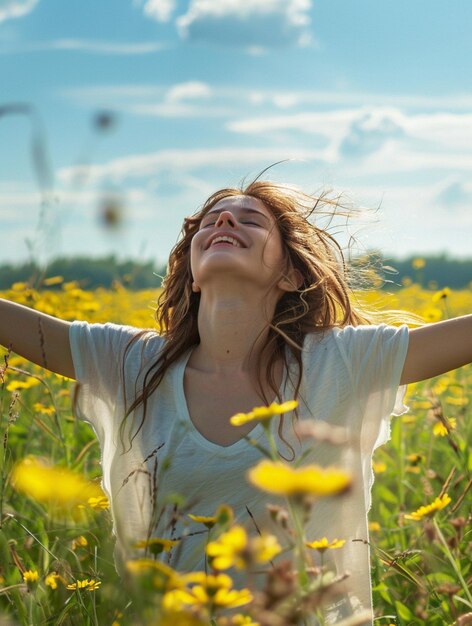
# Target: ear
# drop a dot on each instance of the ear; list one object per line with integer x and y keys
{"x": 291, "y": 281}
{"x": 195, "y": 287}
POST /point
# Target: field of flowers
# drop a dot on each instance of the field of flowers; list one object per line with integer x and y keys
{"x": 56, "y": 549}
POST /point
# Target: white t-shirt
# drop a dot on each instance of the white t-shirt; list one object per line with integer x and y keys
{"x": 350, "y": 378}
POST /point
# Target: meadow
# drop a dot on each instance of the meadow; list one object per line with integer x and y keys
{"x": 56, "y": 548}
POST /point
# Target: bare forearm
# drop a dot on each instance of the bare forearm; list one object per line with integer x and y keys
{"x": 38, "y": 337}
{"x": 438, "y": 348}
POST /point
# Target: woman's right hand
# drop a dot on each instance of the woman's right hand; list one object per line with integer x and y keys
{"x": 38, "y": 337}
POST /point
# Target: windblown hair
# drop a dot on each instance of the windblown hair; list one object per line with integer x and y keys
{"x": 323, "y": 301}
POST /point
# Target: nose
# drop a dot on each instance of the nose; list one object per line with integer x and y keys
{"x": 226, "y": 218}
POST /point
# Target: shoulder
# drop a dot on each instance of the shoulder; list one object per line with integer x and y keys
{"x": 113, "y": 337}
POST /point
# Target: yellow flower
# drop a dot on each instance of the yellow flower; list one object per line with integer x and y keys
{"x": 30, "y": 576}
{"x": 16, "y": 385}
{"x": 441, "y": 295}
{"x": 432, "y": 314}
{"x": 156, "y": 545}
{"x": 53, "y": 485}
{"x": 374, "y": 527}
{"x": 206, "y": 591}
{"x": 263, "y": 412}
{"x": 430, "y": 509}
{"x": 418, "y": 263}
{"x": 79, "y": 542}
{"x": 46, "y": 410}
{"x": 234, "y": 549}
{"x": 441, "y": 430}
{"x": 323, "y": 544}
{"x": 98, "y": 502}
{"x": 53, "y": 280}
{"x": 278, "y": 478}
{"x": 51, "y": 580}
{"x": 379, "y": 467}
{"x": 89, "y": 585}
{"x": 224, "y": 515}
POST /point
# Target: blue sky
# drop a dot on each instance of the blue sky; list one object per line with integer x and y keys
{"x": 371, "y": 98}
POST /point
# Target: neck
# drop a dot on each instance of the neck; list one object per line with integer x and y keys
{"x": 233, "y": 329}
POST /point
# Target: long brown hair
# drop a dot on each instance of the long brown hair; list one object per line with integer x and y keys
{"x": 323, "y": 301}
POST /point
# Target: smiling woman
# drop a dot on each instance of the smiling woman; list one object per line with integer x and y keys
{"x": 256, "y": 308}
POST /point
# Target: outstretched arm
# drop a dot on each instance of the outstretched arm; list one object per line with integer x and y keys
{"x": 438, "y": 348}
{"x": 38, "y": 337}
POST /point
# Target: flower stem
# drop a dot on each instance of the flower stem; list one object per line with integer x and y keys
{"x": 452, "y": 560}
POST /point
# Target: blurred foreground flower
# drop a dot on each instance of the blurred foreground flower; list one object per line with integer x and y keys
{"x": 208, "y": 591}
{"x": 223, "y": 516}
{"x": 233, "y": 548}
{"x": 441, "y": 430}
{"x": 430, "y": 509}
{"x": 263, "y": 412}
{"x": 155, "y": 545}
{"x": 53, "y": 484}
{"x": 277, "y": 478}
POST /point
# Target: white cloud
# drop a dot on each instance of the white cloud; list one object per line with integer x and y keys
{"x": 160, "y": 10}
{"x": 249, "y": 24}
{"x": 188, "y": 91}
{"x": 10, "y": 9}
{"x": 144, "y": 165}
{"x": 88, "y": 46}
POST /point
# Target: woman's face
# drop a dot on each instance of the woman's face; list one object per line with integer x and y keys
{"x": 238, "y": 236}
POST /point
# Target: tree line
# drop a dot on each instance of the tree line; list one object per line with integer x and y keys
{"x": 431, "y": 272}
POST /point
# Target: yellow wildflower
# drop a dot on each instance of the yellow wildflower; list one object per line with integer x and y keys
{"x": 374, "y": 527}
{"x": 224, "y": 515}
{"x": 418, "y": 263}
{"x": 51, "y": 580}
{"x": 40, "y": 408}
{"x": 30, "y": 576}
{"x": 379, "y": 467}
{"x": 98, "y": 502}
{"x": 263, "y": 412}
{"x": 430, "y": 509}
{"x": 441, "y": 295}
{"x": 207, "y": 591}
{"x": 234, "y": 549}
{"x": 88, "y": 585}
{"x": 51, "y": 484}
{"x": 278, "y": 478}
{"x": 323, "y": 544}
{"x": 18, "y": 385}
{"x": 432, "y": 314}
{"x": 53, "y": 280}
{"x": 156, "y": 545}
{"x": 455, "y": 401}
{"x": 79, "y": 542}
{"x": 441, "y": 430}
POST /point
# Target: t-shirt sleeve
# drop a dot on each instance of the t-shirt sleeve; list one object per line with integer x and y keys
{"x": 375, "y": 356}
{"x": 98, "y": 351}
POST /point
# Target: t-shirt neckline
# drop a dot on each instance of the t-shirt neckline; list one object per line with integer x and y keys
{"x": 255, "y": 434}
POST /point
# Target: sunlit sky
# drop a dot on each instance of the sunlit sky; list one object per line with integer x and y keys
{"x": 371, "y": 98}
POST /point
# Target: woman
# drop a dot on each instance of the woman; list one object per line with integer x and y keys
{"x": 256, "y": 307}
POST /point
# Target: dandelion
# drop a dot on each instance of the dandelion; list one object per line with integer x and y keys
{"x": 233, "y": 548}
{"x": 88, "y": 585}
{"x": 323, "y": 544}
{"x": 263, "y": 412}
{"x": 156, "y": 545}
{"x": 52, "y": 485}
{"x": 430, "y": 509}
{"x": 441, "y": 430}
{"x": 280, "y": 479}
{"x": 30, "y": 576}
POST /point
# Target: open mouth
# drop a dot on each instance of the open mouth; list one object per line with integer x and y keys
{"x": 225, "y": 240}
